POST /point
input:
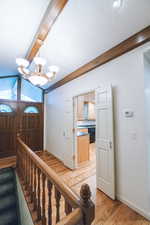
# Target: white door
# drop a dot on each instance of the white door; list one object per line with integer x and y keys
{"x": 105, "y": 171}
{"x": 68, "y": 133}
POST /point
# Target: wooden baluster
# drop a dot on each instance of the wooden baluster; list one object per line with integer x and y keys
{"x": 18, "y": 163}
{"x": 35, "y": 188}
{"x": 17, "y": 157}
{"x": 68, "y": 208}
{"x": 26, "y": 172}
{"x": 43, "y": 200}
{"x": 28, "y": 179}
{"x": 22, "y": 156}
{"x": 87, "y": 205}
{"x": 30, "y": 188}
{"x": 30, "y": 162}
{"x": 21, "y": 165}
{"x": 32, "y": 184}
{"x": 57, "y": 197}
{"x": 49, "y": 187}
{"x": 39, "y": 195}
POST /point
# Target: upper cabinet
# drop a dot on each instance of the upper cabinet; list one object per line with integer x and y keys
{"x": 91, "y": 111}
{"x": 80, "y": 107}
{"x": 86, "y": 106}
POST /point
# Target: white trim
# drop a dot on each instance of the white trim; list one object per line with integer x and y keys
{"x": 132, "y": 206}
{"x": 86, "y": 91}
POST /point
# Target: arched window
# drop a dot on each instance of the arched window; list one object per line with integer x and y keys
{"x": 5, "y": 108}
{"x": 31, "y": 109}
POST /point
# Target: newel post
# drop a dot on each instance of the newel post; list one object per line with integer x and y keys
{"x": 87, "y": 205}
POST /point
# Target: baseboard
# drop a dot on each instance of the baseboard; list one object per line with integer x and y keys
{"x": 58, "y": 158}
{"x": 52, "y": 154}
{"x": 132, "y": 206}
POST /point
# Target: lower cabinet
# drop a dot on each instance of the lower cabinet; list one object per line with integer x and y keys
{"x": 83, "y": 148}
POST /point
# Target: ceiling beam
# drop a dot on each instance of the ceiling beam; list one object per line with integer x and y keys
{"x": 129, "y": 44}
{"x": 54, "y": 9}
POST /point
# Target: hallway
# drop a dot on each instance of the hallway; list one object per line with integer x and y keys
{"x": 108, "y": 212}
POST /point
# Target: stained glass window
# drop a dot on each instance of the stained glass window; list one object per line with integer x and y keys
{"x": 31, "y": 109}
{"x": 5, "y": 108}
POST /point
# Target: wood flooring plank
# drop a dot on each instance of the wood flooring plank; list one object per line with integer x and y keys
{"x": 108, "y": 212}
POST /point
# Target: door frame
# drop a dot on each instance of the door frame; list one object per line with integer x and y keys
{"x": 75, "y": 150}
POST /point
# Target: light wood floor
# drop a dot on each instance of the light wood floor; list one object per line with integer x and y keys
{"x": 108, "y": 212}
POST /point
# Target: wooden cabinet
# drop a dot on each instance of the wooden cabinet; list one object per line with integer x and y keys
{"x": 91, "y": 111}
{"x": 80, "y": 110}
{"x": 83, "y": 130}
{"x": 83, "y": 148}
{"x": 86, "y": 107}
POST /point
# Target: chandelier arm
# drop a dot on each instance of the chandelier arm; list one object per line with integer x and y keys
{"x": 38, "y": 77}
{"x": 49, "y": 78}
{"x": 22, "y": 68}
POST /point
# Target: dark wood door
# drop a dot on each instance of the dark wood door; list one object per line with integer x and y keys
{"x": 29, "y": 125}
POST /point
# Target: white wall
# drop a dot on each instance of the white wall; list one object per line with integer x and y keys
{"x": 126, "y": 74}
{"x": 147, "y": 107}
{"x": 25, "y": 216}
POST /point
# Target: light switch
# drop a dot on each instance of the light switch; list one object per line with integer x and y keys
{"x": 133, "y": 135}
{"x": 128, "y": 113}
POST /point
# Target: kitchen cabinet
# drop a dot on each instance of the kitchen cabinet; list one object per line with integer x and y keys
{"x": 80, "y": 108}
{"x": 85, "y": 130}
{"x": 83, "y": 148}
{"x": 91, "y": 111}
{"x": 86, "y": 107}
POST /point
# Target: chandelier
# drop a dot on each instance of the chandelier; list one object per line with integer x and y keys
{"x": 39, "y": 76}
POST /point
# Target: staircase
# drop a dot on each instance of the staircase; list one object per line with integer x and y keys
{"x": 9, "y": 213}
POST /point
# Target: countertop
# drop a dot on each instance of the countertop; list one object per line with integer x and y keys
{"x": 86, "y": 126}
{"x": 82, "y": 133}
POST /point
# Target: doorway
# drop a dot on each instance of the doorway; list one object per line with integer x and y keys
{"x": 85, "y": 126}
{"x": 94, "y": 136}
{"x": 25, "y": 118}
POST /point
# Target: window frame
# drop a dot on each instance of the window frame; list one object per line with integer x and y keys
{"x": 18, "y": 99}
{"x": 35, "y": 113}
{"x": 7, "y": 106}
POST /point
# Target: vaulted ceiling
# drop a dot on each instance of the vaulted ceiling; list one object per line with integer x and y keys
{"x": 83, "y": 30}
{"x": 19, "y": 21}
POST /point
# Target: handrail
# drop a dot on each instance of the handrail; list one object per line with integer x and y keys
{"x": 72, "y": 219}
{"x": 72, "y": 197}
{"x": 39, "y": 180}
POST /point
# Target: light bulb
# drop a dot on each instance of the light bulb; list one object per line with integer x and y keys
{"x": 39, "y": 61}
{"x": 22, "y": 62}
{"x": 23, "y": 71}
{"x": 50, "y": 74}
{"x": 38, "y": 80}
{"x": 53, "y": 69}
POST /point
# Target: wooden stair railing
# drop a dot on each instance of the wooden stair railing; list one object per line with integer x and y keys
{"x": 43, "y": 185}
